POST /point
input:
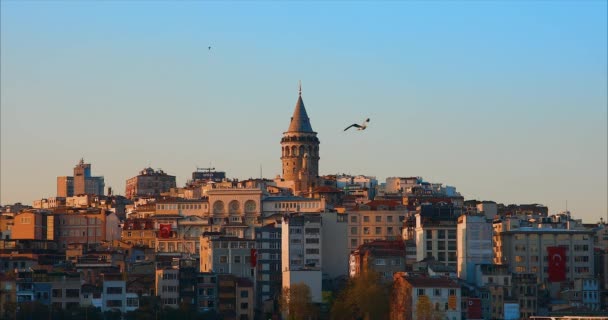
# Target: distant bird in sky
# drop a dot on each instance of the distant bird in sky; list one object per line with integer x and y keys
{"x": 209, "y": 47}
{"x": 359, "y": 126}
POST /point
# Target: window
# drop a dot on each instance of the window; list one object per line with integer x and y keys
{"x": 353, "y": 230}
{"x": 353, "y": 242}
{"x": 380, "y": 262}
{"x": 365, "y": 230}
{"x": 452, "y": 292}
{"x": 389, "y": 230}
{"x": 353, "y": 219}
{"x": 378, "y": 230}
{"x": 237, "y": 259}
{"x": 429, "y": 234}
{"x": 451, "y": 234}
{"x": 132, "y": 302}
{"x": 312, "y": 251}
{"x": 365, "y": 218}
{"x": 420, "y": 292}
{"x": 441, "y": 234}
{"x": 312, "y": 240}
{"x": 244, "y": 305}
{"x": 389, "y": 219}
{"x": 441, "y": 245}
{"x": 437, "y": 292}
{"x": 244, "y": 293}
{"x": 114, "y": 303}
{"x": 312, "y": 230}
{"x": 223, "y": 259}
{"x": 378, "y": 218}
{"x": 72, "y": 293}
{"x": 56, "y": 293}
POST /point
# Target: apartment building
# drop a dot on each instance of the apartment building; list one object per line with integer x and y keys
{"x": 385, "y": 257}
{"x": 436, "y": 233}
{"x": 523, "y": 247}
{"x": 474, "y": 245}
{"x": 375, "y": 220}
{"x": 149, "y": 183}
{"x": 301, "y": 245}
{"x": 206, "y": 291}
{"x": 167, "y": 286}
{"x": 267, "y": 261}
{"x": 229, "y": 255}
{"x": 441, "y": 295}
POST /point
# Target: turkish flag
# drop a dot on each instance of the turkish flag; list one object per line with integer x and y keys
{"x": 474, "y": 309}
{"x": 557, "y": 263}
{"x": 165, "y": 230}
{"x": 254, "y": 257}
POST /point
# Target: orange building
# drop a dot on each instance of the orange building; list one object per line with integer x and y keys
{"x": 30, "y": 225}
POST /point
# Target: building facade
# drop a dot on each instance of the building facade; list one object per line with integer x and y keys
{"x": 149, "y": 183}
{"x": 81, "y": 183}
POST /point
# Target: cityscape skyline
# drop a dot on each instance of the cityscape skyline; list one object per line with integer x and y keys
{"x": 182, "y": 105}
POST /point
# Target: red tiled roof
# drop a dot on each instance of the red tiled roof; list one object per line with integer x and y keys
{"x": 326, "y": 189}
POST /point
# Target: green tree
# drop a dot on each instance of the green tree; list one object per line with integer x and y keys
{"x": 296, "y": 303}
{"x": 365, "y": 297}
{"x": 425, "y": 310}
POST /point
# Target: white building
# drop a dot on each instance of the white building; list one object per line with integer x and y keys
{"x": 443, "y": 294}
{"x": 289, "y": 204}
{"x": 474, "y": 244}
{"x": 334, "y": 253}
{"x": 301, "y": 244}
{"x": 436, "y": 235}
{"x": 115, "y": 297}
{"x": 167, "y": 286}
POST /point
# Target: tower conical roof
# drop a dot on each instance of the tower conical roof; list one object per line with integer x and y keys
{"x": 300, "y": 121}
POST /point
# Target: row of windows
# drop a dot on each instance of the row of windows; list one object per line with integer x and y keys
{"x": 436, "y": 291}
{"x": 236, "y": 259}
{"x": 296, "y": 205}
{"x": 234, "y": 244}
{"x": 441, "y": 234}
{"x": 378, "y": 218}
{"x": 179, "y": 206}
{"x": 378, "y": 230}
{"x": 392, "y": 262}
{"x": 441, "y": 245}
{"x": 80, "y": 221}
{"x": 169, "y": 289}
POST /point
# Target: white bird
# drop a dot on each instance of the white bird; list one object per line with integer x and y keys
{"x": 359, "y": 126}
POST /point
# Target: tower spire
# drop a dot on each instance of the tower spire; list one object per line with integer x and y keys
{"x": 300, "y": 87}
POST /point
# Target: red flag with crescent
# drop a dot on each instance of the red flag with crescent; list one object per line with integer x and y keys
{"x": 254, "y": 257}
{"x": 557, "y": 263}
{"x": 165, "y": 230}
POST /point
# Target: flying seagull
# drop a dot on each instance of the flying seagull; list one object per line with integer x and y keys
{"x": 359, "y": 126}
{"x": 209, "y": 47}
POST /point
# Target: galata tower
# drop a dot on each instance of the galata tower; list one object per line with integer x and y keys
{"x": 300, "y": 151}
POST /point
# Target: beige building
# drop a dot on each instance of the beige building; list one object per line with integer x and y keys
{"x": 375, "y": 220}
{"x": 383, "y": 257}
{"x": 524, "y": 248}
{"x": 442, "y": 294}
{"x": 149, "y": 183}
{"x": 167, "y": 286}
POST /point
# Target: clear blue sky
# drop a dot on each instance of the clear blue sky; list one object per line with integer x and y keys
{"x": 507, "y": 101}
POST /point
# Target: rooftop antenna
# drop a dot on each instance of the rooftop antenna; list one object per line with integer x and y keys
{"x": 261, "y": 176}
